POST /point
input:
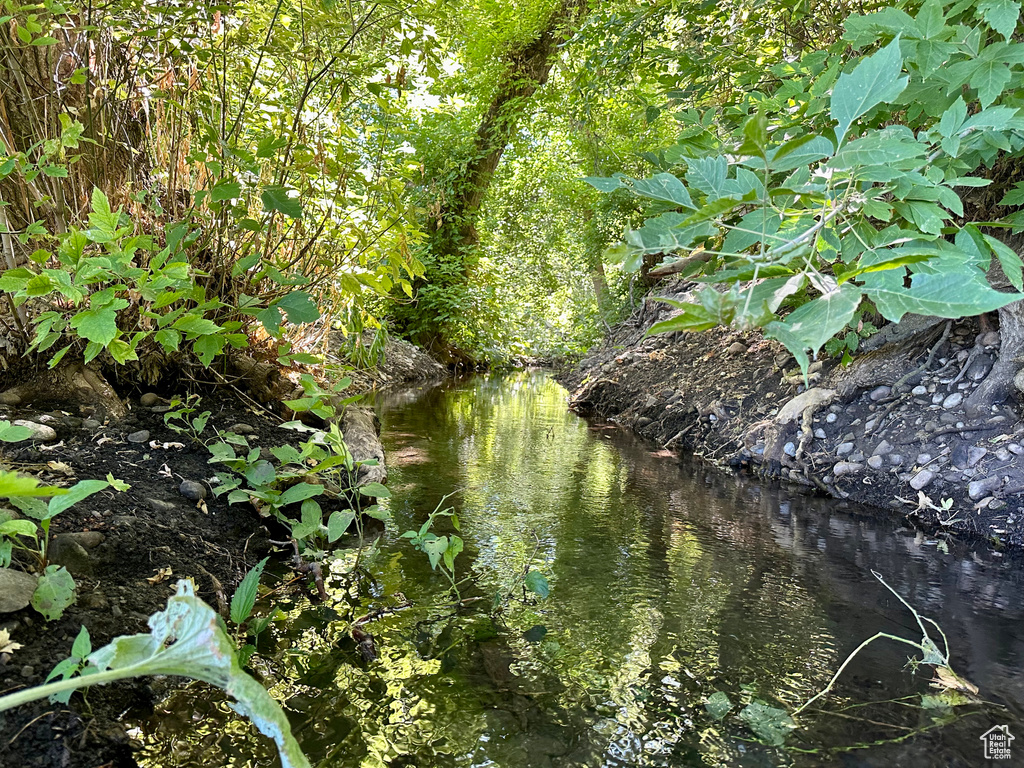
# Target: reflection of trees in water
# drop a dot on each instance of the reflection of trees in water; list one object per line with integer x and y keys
{"x": 669, "y": 583}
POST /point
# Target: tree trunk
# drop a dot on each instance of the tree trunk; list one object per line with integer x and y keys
{"x": 451, "y": 249}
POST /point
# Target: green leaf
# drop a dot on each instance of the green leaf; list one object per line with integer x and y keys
{"x": 664, "y": 187}
{"x": 11, "y": 433}
{"x": 718, "y": 705}
{"x": 83, "y": 489}
{"x": 819, "y": 320}
{"x": 226, "y": 190}
{"x": 261, "y": 473}
{"x": 193, "y": 326}
{"x": 800, "y": 151}
{"x": 602, "y": 184}
{"x": 990, "y": 79}
{"x": 208, "y": 347}
{"x": 1001, "y": 15}
{"x": 312, "y": 520}
{"x": 375, "y": 489}
{"x": 299, "y": 307}
{"x": 537, "y": 583}
{"x": 950, "y": 294}
{"x": 1009, "y": 260}
{"x": 82, "y": 646}
{"x": 98, "y": 325}
{"x": 168, "y": 339}
{"x": 875, "y": 80}
{"x": 187, "y": 639}
{"x": 277, "y": 198}
{"x": 338, "y": 523}
{"x": 55, "y": 591}
{"x": 301, "y": 492}
{"x": 708, "y": 175}
{"x": 693, "y": 317}
{"x": 12, "y": 484}
{"x": 771, "y": 724}
{"x": 452, "y": 551}
{"x": 244, "y": 599}
{"x": 435, "y": 549}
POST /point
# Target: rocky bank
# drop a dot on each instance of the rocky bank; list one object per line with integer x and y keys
{"x": 892, "y": 429}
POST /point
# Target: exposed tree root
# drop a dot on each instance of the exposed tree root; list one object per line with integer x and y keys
{"x": 72, "y": 384}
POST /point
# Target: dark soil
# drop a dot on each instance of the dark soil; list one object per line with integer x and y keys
{"x": 152, "y": 537}
{"x": 892, "y": 430}
{"x": 149, "y": 528}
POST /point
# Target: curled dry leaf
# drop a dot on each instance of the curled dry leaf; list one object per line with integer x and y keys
{"x": 158, "y": 446}
{"x": 946, "y": 679}
{"x": 53, "y": 447}
{"x": 162, "y": 574}
{"x": 6, "y": 644}
{"x": 60, "y": 467}
{"x": 165, "y": 472}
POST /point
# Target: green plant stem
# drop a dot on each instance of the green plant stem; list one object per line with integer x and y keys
{"x": 12, "y": 700}
{"x": 849, "y": 658}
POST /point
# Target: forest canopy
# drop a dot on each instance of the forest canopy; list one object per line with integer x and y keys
{"x": 182, "y": 184}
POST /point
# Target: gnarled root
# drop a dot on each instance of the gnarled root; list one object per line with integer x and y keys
{"x": 72, "y": 384}
{"x": 1004, "y": 378}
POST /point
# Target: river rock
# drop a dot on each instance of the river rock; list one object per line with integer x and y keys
{"x": 831, "y": 418}
{"x": 895, "y": 459}
{"x": 139, "y": 437}
{"x": 16, "y": 590}
{"x": 819, "y": 433}
{"x": 875, "y": 462}
{"x": 884, "y": 448}
{"x": 736, "y": 348}
{"x": 979, "y": 488}
{"x": 880, "y": 393}
{"x": 923, "y": 458}
{"x": 953, "y": 400}
{"x": 91, "y": 424}
{"x": 989, "y": 339}
{"x": 922, "y": 479}
{"x": 243, "y": 429}
{"x": 975, "y": 454}
{"x": 39, "y": 431}
{"x": 65, "y": 550}
{"x": 919, "y": 390}
{"x": 149, "y": 399}
{"x": 160, "y": 506}
{"x": 789, "y": 448}
{"x": 10, "y": 398}
{"x": 847, "y": 468}
{"x": 192, "y": 490}
{"x": 844, "y": 449}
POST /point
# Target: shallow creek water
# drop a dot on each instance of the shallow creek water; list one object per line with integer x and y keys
{"x": 669, "y": 581}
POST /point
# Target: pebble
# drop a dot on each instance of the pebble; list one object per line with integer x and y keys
{"x": 1003, "y": 455}
{"x": 989, "y": 339}
{"x": 1015, "y": 449}
{"x": 642, "y": 422}
{"x": 91, "y": 424}
{"x": 73, "y": 421}
{"x": 39, "y": 431}
{"x": 875, "y": 462}
{"x": 115, "y": 611}
{"x": 953, "y": 400}
{"x": 789, "y": 449}
{"x": 9, "y": 398}
{"x": 882, "y": 449}
{"x": 819, "y": 433}
{"x": 975, "y": 454}
{"x": 844, "y": 449}
{"x": 979, "y": 488}
{"x": 895, "y": 459}
{"x": 919, "y": 390}
{"x": 978, "y": 370}
{"x": 139, "y": 437}
{"x": 937, "y": 398}
{"x": 880, "y": 393}
{"x": 922, "y": 479}
{"x": 160, "y": 408}
{"x": 192, "y": 490}
{"x": 737, "y": 348}
{"x": 149, "y": 399}
{"x": 28, "y": 671}
{"x": 65, "y": 550}
{"x": 831, "y": 418}
{"x": 846, "y": 468}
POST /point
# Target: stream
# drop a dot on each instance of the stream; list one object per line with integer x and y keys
{"x": 669, "y": 582}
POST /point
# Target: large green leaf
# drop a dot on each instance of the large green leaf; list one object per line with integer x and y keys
{"x": 874, "y": 81}
{"x": 277, "y": 198}
{"x": 79, "y": 491}
{"x": 771, "y": 724}
{"x": 55, "y": 591}
{"x": 665, "y": 187}
{"x": 299, "y": 307}
{"x": 819, "y": 320}
{"x": 99, "y": 325}
{"x": 942, "y": 294}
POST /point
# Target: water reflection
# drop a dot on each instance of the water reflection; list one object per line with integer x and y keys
{"x": 669, "y": 582}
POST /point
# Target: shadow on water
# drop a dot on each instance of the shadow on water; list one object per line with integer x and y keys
{"x": 669, "y": 582}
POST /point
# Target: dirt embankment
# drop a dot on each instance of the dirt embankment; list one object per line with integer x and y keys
{"x": 127, "y": 550}
{"x": 891, "y": 430}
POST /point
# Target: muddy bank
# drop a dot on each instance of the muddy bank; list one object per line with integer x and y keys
{"x": 128, "y": 550}
{"x": 891, "y": 430}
